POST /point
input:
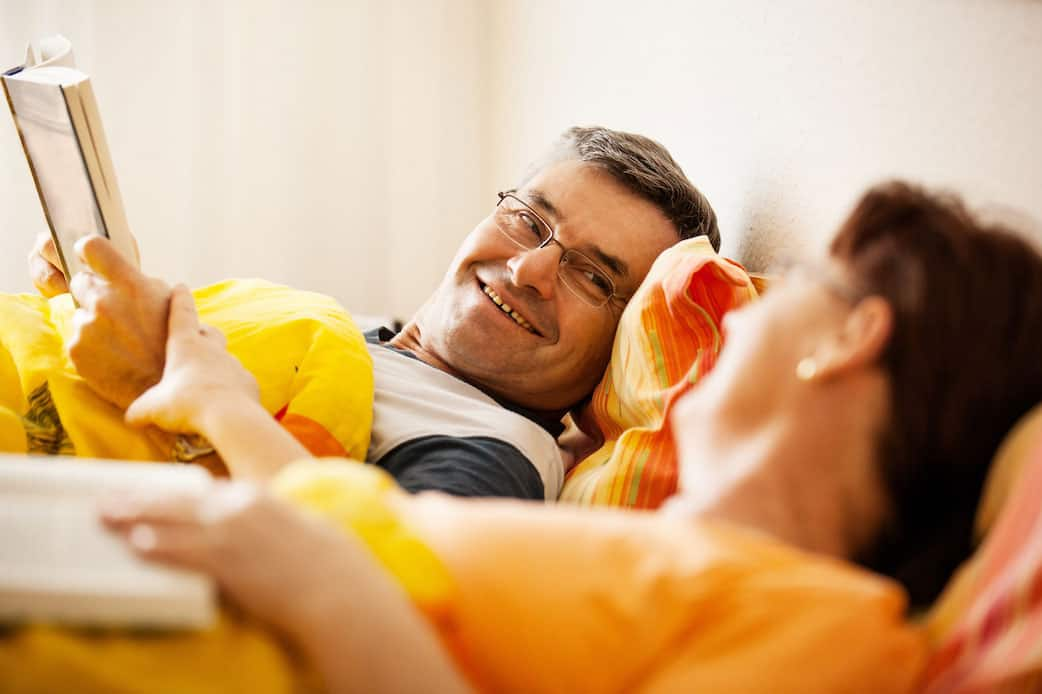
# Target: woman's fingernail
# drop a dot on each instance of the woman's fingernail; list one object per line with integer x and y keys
{"x": 142, "y": 537}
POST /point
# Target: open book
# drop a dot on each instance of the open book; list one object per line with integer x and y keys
{"x": 60, "y": 128}
{"x": 59, "y": 564}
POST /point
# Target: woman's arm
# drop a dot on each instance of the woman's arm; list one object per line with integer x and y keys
{"x": 369, "y": 637}
{"x": 206, "y": 390}
{"x": 251, "y": 443}
{"x": 318, "y": 586}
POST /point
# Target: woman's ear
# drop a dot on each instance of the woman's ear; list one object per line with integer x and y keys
{"x": 860, "y": 340}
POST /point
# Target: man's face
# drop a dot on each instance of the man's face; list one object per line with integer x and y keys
{"x": 561, "y": 358}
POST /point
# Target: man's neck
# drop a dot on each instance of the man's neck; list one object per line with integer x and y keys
{"x": 410, "y": 338}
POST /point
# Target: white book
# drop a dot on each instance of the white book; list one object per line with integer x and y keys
{"x": 60, "y": 128}
{"x": 59, "y": 564}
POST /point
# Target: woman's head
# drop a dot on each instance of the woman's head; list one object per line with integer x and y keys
{"x": 964, "y": 361}
{"x": 878, "y": 385}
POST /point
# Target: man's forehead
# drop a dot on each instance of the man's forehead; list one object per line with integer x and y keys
{"x": 598, "y": 216}
{"x": 570, "y": 190}
{"x": 593, "y": 247}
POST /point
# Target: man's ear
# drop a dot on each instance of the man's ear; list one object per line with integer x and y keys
{"x": 860, "y": 340}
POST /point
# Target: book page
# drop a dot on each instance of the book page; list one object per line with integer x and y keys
{"x": 51, "y": 50}
{"x": 59, "y": 563}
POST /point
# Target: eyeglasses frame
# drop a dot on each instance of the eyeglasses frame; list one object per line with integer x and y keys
{"x": 552, "y": 238}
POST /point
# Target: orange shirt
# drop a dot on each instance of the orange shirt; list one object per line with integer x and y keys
{"x": 578, "y": 600}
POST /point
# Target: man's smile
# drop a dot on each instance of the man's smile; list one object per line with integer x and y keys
{"x": 507, "y": 309}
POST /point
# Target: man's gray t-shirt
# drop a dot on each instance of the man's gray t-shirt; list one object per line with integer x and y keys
{"x": 434, "y": 431}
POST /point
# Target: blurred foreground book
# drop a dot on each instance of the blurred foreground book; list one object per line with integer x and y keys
{"x": 59, "y": 564}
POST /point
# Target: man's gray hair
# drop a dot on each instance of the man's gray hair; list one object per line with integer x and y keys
{"x": 646, "y": 169}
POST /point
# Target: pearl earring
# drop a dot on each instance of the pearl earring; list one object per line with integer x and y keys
{"x": 807, "y": 369}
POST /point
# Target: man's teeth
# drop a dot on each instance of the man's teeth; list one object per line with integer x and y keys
{"x": 507, "y": 310}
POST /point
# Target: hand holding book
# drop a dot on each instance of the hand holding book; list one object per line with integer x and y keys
{"x": 119, "y": 337}
{"x": 118, "y": 340}
{"x": 226, "y": 531}
{"x": 58, "y": 564}
{"x": 45, "y": 269}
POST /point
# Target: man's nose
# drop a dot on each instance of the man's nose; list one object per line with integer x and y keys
{"x": 536, "y": 268}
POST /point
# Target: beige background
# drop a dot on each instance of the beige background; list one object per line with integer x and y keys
{"x": 347, "y": 147}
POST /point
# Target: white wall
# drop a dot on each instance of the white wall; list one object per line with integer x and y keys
{"x": 328, "y": 145}
{"x": 783, "y": 111}
{"x": 347, "y": 146}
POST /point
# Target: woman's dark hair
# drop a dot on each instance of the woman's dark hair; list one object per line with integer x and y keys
{"x": 964, "y": 363}
{"x": 646, "y": 169}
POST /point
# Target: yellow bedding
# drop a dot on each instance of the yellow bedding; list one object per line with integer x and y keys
{"x": 308, "y": 356}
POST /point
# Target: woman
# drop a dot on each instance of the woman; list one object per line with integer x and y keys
{"x": 853, "y": 415}
{"x": 904, "y": 360}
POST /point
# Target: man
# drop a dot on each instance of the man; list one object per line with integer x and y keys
{"x": 470, "y": 395}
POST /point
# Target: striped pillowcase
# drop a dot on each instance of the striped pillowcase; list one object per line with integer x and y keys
{"x": 987, "y": 627}
{"x": 668, "y": 338}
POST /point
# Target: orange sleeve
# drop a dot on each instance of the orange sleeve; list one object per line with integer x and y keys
{"x": 584, "y": 600}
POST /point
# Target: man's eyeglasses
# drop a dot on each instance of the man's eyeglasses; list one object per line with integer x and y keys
{"x": 788, "y": 267}
{"x": 516, "y": 220}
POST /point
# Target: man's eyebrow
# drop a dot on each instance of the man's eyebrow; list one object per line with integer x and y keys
{"x": 540, "y": 200}
{"x": 615, "y": 264}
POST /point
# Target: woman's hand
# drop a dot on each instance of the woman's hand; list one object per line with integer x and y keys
{"x": 277, "y": 563}
{"x": 317, "y": 585}
{"x": 206, "y": 390}
{"x": 200, "y": 377}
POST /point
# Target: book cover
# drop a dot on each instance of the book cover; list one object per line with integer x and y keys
{"x": 59, "y": 125}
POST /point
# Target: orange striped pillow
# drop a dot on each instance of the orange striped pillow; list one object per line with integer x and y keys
{"x": 668, "y": 337}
